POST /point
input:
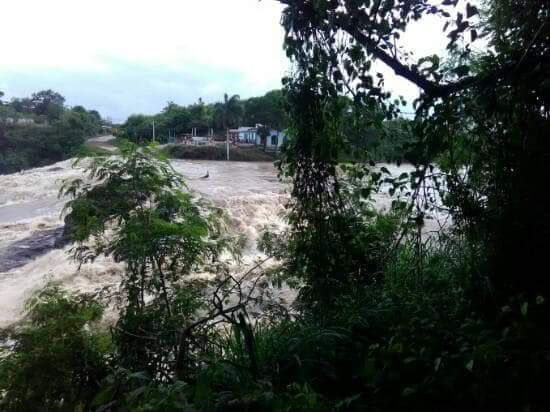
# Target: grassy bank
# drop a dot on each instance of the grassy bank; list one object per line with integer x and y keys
{"x": 218, "y": 152}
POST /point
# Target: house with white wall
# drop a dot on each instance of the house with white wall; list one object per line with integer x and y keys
{"x": 245, "y": 135}
{"x": 274, "y": 141}
{"x": 250, "y": 135}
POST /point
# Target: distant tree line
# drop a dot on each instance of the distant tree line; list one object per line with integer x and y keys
{"x": 368, "y": 132}
{"x": 232, "y": 111}
{"x": 40, "y": 129}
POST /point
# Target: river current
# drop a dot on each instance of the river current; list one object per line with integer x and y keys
{"x": 31, "y": 223}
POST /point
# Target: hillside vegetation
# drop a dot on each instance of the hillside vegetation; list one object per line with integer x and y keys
{"x": 41, "y": 130}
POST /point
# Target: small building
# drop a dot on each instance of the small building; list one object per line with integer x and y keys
{"x": 246, "y": 135}
{"x": 275, "y": 140}
{"x": 250, "y": 135}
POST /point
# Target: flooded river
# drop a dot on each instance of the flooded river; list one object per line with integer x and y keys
{"x": 31, "y": 225}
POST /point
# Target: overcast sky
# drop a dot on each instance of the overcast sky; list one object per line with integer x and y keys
{"x": 132, "y": 56}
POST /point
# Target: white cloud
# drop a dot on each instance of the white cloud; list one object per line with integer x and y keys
{"x": 124, "y": 56}
{"x": 73, "y": 34}
{"x": 83, "y": 36}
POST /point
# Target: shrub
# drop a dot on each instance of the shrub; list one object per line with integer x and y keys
{"x": 53, "y": 359}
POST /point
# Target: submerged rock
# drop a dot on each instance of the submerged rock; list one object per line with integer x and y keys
{"x": 21, "y": 252}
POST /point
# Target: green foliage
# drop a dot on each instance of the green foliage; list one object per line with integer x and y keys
{"x": 44, "y": 132}
{"x": 138, "y": 128}
{"x": 136, "y": 391}
{"x": 268, "y": 110}
{"x": 333, "y": 245}
{"x": 370, "y": 136}
{"x": 54, "y": 358}
{"x": 229, "y": 112}
{"x": 176, "y": 120}
{"x": 387, "y": 317}
{"x": 158, "y": 231}
{"x": 487, "y": 109}
{"x": 47, "y": 103}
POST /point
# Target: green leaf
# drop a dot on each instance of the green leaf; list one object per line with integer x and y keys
{"x": 103, "y": 396}
{"x": 408, "y": 391}
{"x": 462, "y": 70}
{"x": 524, "y": 307}
{"x": 437, "y": 363}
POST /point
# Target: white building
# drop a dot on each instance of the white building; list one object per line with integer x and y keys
{"x": 249, "y": 135}
{"x": 244, "y": 135}
{"x": 274, "y": 140}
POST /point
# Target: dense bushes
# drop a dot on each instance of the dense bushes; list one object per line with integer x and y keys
{"x": 55, "y": 359}
{"x": 412, "y": 342}
{"x": 401, "y": 333}
{"x": 41, "y": 132}
{"x": 23, "y": 147}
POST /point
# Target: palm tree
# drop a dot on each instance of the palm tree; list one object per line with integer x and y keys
{"x": 232, "y": 110}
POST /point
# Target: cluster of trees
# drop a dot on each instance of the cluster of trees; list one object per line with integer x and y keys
{"x": 367, "y": 130}
{"x": 40, "y": 129}
{"x": 385, "y": 318}
{"x": 175, "y": 120}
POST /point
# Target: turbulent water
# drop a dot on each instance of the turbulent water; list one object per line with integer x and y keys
{"x": 31, "y": 223}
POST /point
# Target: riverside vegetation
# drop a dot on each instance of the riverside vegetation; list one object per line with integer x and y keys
{"x": 385, "y": 318}
{"x": 367, "y": 131}
{"x": 40, "y": 130}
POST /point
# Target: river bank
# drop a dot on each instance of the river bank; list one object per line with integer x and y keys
{"x": 31, "y": 247}
{"x": 219, "y": 152}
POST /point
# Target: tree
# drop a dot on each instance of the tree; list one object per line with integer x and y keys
{"x": 31, "y": 145}
{"x": 232, "y": 111}
{"x": 159, "y": 233}
{"x": 138, "y": 128}
{"x": 47, "y": 103}
{"x": 493, "y": 104}
{"x": 79, "y": 118}
{"x": 200, "y": 115}
{"x": 263, "y": 132}
{"x": 54, "y": 338}
{"x": 174, "y": 119}
{"x": 268, "y": 109}
{"x": 95, "y": 115}
{"x": 23, "y": 105}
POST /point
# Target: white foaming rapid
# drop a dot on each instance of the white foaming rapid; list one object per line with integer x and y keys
{"x": 249, "y": 192}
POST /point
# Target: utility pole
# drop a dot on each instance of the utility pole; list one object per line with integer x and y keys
{"x": 153, "y": 130}
{"x": 227, "y": 143}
